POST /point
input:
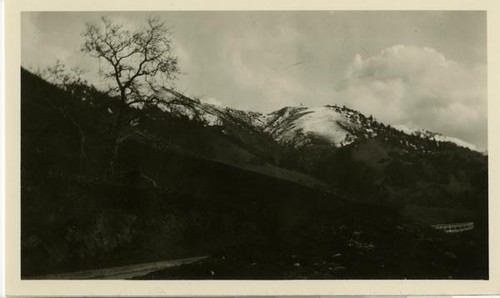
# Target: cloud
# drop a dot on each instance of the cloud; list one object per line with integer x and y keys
{"x": 275, "y": 90}
{"x": 268, "y": 67}
{"x": 264, "y": 61}
{"x": 419, "y": 87}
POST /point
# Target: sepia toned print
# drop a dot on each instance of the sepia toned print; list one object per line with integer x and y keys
{"x": 254, "y": 145}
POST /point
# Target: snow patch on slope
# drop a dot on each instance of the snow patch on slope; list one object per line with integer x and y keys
{"x": 213, "y": 115}
{"x": 207, "y": 114}
{"x": 434, "y": 136}
{"x": 299, "y": 126}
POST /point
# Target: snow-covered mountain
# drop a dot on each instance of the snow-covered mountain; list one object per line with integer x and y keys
{"x": 301, "y": 126}
{"x": 333, "y": 125}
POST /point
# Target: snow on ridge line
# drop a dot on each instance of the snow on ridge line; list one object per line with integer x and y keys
{"x": 459, "y": 142}
{"x": 324, "y": 122}
{"x": 215, "y": 115}
{"x": 435, "y": 136}
{"x": 298, "y": 125}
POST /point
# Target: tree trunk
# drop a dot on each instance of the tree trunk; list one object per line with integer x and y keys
{"x": 115, "y": 135}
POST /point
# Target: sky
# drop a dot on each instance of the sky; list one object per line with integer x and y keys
{"x": 419, "y": 69}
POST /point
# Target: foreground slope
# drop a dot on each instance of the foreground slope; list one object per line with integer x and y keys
{"x": 189, "y": 185}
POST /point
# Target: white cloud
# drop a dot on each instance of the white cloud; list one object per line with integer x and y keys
{"x": 264, "y": 62}
{"x": 266, "y": 66}
{"x": 419, "y": 87}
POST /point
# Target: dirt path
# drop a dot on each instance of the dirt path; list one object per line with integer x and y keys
{"x": 123, "y": 272}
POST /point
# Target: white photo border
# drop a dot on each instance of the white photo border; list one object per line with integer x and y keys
{"x": 16, "y": 286}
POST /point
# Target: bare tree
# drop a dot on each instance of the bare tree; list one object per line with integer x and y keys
{"x": 137, "y": 63}
{"x": 60, "y": 75}
{"x": 63, "y": 77}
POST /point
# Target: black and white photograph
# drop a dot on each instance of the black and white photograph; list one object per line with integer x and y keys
{"x": 248, "y": 148}
{"x": 254, "y": 145}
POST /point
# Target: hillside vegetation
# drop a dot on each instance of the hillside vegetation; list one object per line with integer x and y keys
{"x": 193, "y": 179}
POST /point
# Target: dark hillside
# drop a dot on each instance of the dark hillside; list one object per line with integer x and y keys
{"x": 229, "y": 191}
{"x": 386, "y": 166}
{"x": 166, "y": 202}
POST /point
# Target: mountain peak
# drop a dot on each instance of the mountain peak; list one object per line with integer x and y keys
{"x": 301, "y": 126}
{"x": 330, "y": 125}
